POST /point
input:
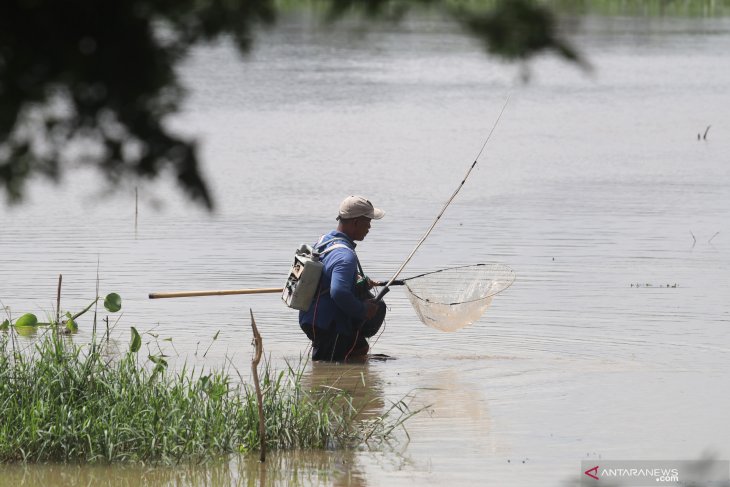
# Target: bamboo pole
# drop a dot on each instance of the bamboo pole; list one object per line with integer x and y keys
{"x": 259, "y": 347}
{"x": 224, "y": 292}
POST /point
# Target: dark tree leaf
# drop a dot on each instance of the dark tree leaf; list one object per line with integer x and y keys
{"x": 517, "y": 30}
{"x": 103, "y": 73}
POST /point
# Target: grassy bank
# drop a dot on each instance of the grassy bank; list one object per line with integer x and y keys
{"x": 64, "y": 402}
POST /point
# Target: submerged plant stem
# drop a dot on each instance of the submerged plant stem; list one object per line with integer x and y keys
{"x": 258, "y": 351}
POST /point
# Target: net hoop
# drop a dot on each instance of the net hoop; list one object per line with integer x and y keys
{"x": 450, "y": 299}
{"x": 504, "y": 276}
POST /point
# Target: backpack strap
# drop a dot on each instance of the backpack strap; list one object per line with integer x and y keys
{"x": 336, "y": 246}
{"x": 321, "y": 243}
{"x": 329, "y": 249}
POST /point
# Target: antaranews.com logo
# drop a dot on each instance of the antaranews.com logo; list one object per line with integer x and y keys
{"x": 704, "y": 473}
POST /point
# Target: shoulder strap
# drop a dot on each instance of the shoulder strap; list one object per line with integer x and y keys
{"x": 320, "y": 243}
{"x": 336, "y": 246}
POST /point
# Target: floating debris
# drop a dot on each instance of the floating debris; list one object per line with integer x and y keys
{"x": 648, "y": 284}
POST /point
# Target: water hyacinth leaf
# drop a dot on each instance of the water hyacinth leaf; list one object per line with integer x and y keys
{"x": 71, "y": 325}
{"x": 28, "y": 319}
{"x": 25, "y": 331}
{"x": 136, "y": 343}
{"x": 113, "y": 302}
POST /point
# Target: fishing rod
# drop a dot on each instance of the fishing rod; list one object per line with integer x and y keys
{"x": 393, "y": 279}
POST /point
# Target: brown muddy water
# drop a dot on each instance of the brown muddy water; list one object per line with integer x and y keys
{"x": 613, "y": 343}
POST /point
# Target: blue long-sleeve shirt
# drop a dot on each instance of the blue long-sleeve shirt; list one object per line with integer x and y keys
{"x": 337, "y": 308}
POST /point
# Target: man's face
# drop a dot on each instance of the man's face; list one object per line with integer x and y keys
{"x": 362, "y": 227}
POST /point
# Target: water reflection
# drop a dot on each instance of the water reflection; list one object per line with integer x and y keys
{"x": 361, "y": 381}
{"x": 299, "y": 468}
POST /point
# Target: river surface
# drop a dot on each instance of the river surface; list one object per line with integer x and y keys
{"x": 613, "y": 342}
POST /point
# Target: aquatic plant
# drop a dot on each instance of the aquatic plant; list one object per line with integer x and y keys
{"x": 28, "y": 323}
{"x": 65, "y": 402}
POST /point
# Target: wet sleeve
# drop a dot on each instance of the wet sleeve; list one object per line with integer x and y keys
{"x": 344, "y": 270}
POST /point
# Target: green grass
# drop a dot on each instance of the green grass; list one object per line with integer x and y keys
{"x": 64, "y": 402}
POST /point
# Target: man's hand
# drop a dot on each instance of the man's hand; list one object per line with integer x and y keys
{"x": 366, "y": 282}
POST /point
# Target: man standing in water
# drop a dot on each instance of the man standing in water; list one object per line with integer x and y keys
{"x": 343, "y": 313}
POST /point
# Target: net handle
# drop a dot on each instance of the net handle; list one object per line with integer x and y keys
{"x": 386, "y": 288}
{"x": 397, "y": 282}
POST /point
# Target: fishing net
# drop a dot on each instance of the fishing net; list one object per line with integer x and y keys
{"x": 450, "y": 299}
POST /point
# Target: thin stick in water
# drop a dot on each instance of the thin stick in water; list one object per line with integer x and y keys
{"x": 96, "y": 301}
{"x": 136, "y": 209}
{"x": 258, "y": 347}
{"x": 58, "y": 302}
